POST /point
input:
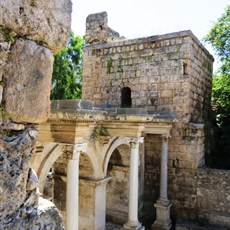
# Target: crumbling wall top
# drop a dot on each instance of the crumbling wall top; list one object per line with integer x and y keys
{"x": 97, "y": 29}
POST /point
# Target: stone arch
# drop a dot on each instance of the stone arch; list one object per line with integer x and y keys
{"x": 117, "y": 168}
{"x": 46, "y": 164}
{"x": 89, "y": 157}
{"x": 53, "y": 155}
{"x": 114, "y": 145}
{"x": 126, "y": 99}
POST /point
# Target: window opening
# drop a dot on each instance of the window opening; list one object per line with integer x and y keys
{"x": 126, "y": 100}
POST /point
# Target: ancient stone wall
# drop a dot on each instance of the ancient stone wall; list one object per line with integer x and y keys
{"x": 159, "y": 70}
{"x": 199, "y": 195}
{"x": 166, "y": 74}
{"x": 29, "y": 32}
{"x": 202, "y": 196}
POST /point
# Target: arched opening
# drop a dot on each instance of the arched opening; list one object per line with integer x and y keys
{"x": 56, "y": 184}
{"x": 117, "y": 188}
{"x": 126, "y": 100}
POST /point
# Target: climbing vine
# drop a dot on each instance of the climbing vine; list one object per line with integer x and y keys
{"x": 109, "y": 65}
{"x": 99, "y": 131}
{"x": 7, "y": 35}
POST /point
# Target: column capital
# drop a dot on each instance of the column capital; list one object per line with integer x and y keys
{"x": 73, "y": 151}
{"x": 135, "y": 141}
{"x": 165, "y": 137}
{"x": 78, "y": 149}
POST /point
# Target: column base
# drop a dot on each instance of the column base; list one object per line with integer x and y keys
{"x": 133, "y": 225}
{"x": 163, "y": 220}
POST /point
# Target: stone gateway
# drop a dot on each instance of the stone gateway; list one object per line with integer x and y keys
{"x": 132, "y": 150}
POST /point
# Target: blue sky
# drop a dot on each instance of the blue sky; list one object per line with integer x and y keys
{"x": 140, "y": 18}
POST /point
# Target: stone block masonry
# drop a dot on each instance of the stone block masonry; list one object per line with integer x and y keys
{"x": 165, "y": 74}
{"x": 29, "y": 32}
{"x": 162, "y": 73}
{"x": 34, "y": 67}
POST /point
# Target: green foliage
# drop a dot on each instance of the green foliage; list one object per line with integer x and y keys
{"x": 219, "y": 38}
{"x": 3, "y": 112}
{"x": 221, "y": 98}
{"x": 109, "y": 65}
{"x": 97, "y": 132}
{"x": 67, "y": 72}
{"x": 33, "y": 3}
{"x": 7, "y": 35}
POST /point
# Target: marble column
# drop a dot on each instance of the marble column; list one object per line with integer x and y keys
{"x": 163, "y": 204}
{"x": 133, "y": 222}
{"x": 72, "y": 203}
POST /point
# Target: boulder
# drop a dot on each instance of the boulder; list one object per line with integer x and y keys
{"x": 28, "y": 76}
{"x": 15, "y": 176}
{"x": 47, "y": 22}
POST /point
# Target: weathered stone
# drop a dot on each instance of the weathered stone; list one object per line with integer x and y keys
{"x": 47, "y": 22}
{"x": 49, "y": 216}
{"x": 96, "y": 28}
{"x": 25, "y": 82}
{"x": 28, "y": 82}
{"x": 15, "y": 152}
{"x": 70, "y": 104}
{"x": 19, "y": 204}
{"x": 12, "y": 126}
{"x": 34, "y": 216}
{"x": 4, "y": 50}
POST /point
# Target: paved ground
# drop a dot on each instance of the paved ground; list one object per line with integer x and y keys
{"x": 111, "y": 226}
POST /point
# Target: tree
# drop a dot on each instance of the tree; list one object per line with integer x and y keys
{"x": 67, "y": 71}
{"x": 219, "y": 38}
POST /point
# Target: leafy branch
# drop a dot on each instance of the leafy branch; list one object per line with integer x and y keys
{"x": 98, "y": 132}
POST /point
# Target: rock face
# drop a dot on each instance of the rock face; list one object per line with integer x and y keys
{"x": 45, "y": 21}
{"x": 49, "y": 217}
{"x": 28, "y": 78}
{"x": 20, "y": 206}
{"x": 30, "y": 30}
{"x": 15, "y": 152}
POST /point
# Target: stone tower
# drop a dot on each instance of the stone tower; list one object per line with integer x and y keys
{"x": 168, "y": 73}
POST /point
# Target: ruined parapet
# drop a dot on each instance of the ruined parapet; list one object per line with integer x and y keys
{"x": 97, "y": 29}
{"x": 29, "y": 32}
